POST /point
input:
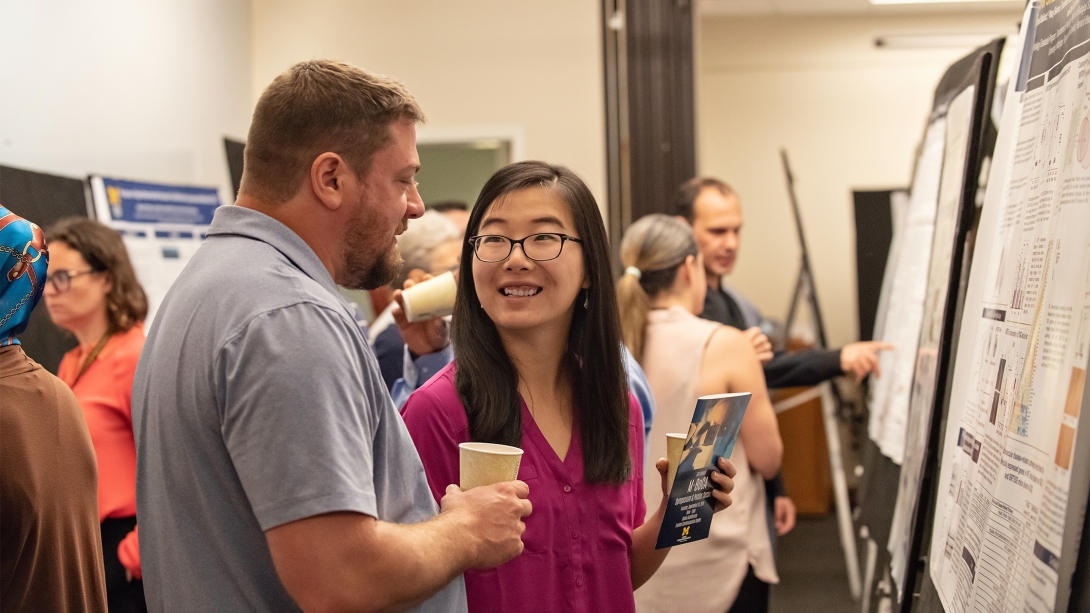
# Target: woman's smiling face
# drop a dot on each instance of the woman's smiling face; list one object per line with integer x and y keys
{"x": 519, "y": 293}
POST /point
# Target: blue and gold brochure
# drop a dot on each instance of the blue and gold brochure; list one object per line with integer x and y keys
{"x": 712, "y": 434}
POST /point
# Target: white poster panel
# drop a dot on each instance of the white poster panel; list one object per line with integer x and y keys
{"x": 959, "y": 118}
{"x": 902, "y": 299}
{"x": 1009, "y": 451}
{"x": 162, "y": 227}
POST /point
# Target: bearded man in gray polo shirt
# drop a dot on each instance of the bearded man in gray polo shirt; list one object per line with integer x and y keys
{"x": 273, "y": 472}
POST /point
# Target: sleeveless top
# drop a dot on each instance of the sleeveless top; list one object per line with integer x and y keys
{"x": 703, "y": 576}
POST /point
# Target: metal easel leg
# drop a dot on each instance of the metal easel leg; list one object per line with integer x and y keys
{"x": 840, "y": 490}
{"x": 868, "y": 574}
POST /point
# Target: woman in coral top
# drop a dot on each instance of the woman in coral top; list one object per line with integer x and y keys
{"x": 537, "y": 345}
{"x": 92, "y": 292}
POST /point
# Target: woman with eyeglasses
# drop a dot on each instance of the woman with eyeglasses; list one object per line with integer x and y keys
{"x": 92, "y": 292}
{"x": 537, "y": 344}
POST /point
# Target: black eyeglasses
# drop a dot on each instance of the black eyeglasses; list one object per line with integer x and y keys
{"x": 539, "y": 247}
{"x": 62, "y": 279}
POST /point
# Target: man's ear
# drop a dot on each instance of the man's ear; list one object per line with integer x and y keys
{"x": 330, "y": 176}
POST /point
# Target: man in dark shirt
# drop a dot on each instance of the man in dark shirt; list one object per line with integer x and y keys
{"x": 714, "y": 210}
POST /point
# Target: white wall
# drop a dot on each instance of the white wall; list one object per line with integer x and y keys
{"x": 126, "y": 88}
{"x": 535, "y": 67}
{"x": 850, "y": 116}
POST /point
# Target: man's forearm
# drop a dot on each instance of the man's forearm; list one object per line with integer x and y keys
{"x": 352, "y": 562}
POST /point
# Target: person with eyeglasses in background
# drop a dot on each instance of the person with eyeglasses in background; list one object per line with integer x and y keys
{"x": 92, "y": 292}
{"x": 538, "y": 365}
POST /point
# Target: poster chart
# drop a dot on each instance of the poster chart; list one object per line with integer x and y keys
{"x": 959, "y": 123}
{"x": 162, "y": 227}
{"x": 1013, "y": 484}
{"x": 902, "y": 298}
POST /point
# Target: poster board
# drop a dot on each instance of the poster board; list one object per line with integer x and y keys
{"x": 44, "y": 199}
{"x": 1015, "y": 466}
{"x": 162, "y": 227}
{"x": 902, "y": 299}
{"x": 920, "y": 307}
{"x": 952, "y": 219}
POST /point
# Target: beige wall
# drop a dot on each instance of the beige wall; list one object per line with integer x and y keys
{"x": 529, "y": 67}
{"x": 129, "y": 89}
{"x": 850, "y": 116}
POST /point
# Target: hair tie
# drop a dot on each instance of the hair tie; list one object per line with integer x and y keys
{"x": 635, "y": 272}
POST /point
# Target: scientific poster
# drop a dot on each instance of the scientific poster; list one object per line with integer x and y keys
{"x": 899, "y": 321}
{"x": 959, "y": 119}
{"x": 162, "y": 227}
{"x": 1009, "y": 451}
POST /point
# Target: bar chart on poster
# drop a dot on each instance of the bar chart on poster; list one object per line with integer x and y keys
{"x": 1013, "y": 484}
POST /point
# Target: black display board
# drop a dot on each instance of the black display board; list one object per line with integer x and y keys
{"x": 234, "y": 151}
{"x": 979, "y": 70}
{"x": 43, "y": 199}
{"x": 881, "y": 477}
{"x": 873, "y": 234}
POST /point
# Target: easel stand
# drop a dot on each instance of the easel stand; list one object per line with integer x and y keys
{"x": 830, "y": 398}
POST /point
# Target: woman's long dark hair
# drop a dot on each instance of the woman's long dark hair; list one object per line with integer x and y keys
{"x": 486, "y": 379}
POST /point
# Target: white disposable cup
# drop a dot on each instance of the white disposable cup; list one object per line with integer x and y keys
{"x": 431, "y": 298}
{"x": 487, "y": 463}
{"x": 675, "y": 444}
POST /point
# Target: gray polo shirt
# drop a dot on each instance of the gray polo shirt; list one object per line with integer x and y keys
{"x": 258, "y": 402}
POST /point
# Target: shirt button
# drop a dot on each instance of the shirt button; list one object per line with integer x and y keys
{"x": 567, "y": 489}
{"x": 579, "y": 582}
{"x": 575, "y": 534}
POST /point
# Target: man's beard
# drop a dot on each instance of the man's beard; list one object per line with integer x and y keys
{"x": 363, "y": 268}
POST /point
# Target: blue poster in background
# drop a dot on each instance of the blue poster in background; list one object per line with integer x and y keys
{"x": 152, "y": 203}
{"x": 162, "y": 226}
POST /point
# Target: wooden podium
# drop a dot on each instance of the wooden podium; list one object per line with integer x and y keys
{"x": 806, "y": 475}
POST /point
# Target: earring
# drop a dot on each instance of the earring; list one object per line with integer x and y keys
{"x": 586, "y": 301}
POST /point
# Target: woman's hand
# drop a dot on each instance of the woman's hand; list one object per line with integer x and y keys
{"x": 128, "y": 553}
{"x": 663, "y": 466}
{"x": 761, "y": 345}
{"x": 724, "y": 484}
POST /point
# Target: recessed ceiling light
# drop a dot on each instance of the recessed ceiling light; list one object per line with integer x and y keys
{"x": 936, "y": 41}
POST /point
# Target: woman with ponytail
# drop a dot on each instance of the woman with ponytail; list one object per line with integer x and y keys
{"x": 685, "y": 357}
{"x": 538, "y": 365}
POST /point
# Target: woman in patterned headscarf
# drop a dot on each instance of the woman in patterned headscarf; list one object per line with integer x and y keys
{"x": 93, "y": 293}
{"x": 50, "y": 559}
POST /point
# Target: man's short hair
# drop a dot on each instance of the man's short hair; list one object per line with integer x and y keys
{"x": 444, "y": 206}
{"x": 689, "y": 190}
{"x": 315, "y": 107}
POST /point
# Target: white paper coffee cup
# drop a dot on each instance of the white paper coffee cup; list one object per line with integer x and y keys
{"x": 487, "y": 463}
{"x": 431, "y": 298}
{"x": 675, "y": 444}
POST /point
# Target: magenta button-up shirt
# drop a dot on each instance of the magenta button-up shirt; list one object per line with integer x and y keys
{"x": 577, "y": 539}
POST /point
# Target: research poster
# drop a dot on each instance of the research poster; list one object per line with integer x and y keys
{"x": 1009, "y": 452}
{"x": 903, "y": 297}
{"x": 162, "y": 227}
{"x": 959, "y": 119}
